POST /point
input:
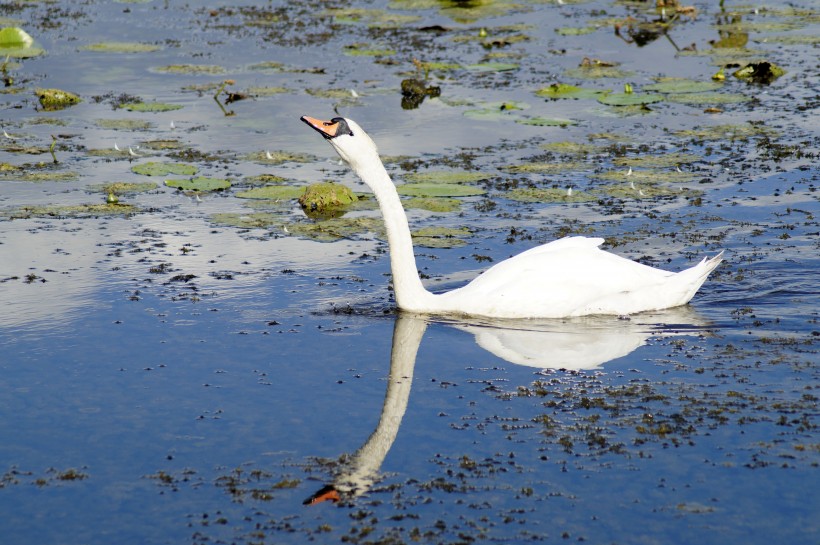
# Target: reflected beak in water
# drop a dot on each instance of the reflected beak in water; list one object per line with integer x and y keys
{"x": 326, "y": 493}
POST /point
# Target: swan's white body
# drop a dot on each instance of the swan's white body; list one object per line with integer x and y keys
{"x": 568, "y": 277}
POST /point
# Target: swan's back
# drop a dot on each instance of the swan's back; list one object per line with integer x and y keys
{"x": 573, "y": 277}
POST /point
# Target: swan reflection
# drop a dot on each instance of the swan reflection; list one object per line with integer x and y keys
{"x": 576, "y": 344}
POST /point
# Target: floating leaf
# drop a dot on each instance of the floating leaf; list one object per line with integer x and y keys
{"x": 545, "y": 122}
{"x": 544, "y": 168}
{"x": 433, "y": 204}
{"x": 334, "y": 229}
{"x": 494, "y": 111}
{"x": 563, "y": 90}
{"x": 763, "y": 72}
{"x": 16, "y": 42}
{"x": 492, "y": 67}
{"x": 648, "y": 176}
{"x": 124, "y": 124}
{"x": 150, "y": 107}
{"x": 361, "y": 49}
{"x": 439, "y": 190}
{"x": 682, "y": 85}
{"x": 440, "y": 237}
{"x": 153, "y": 168}
{"x": 548, "y": 195}
{"x": 639, "y": 192}
{"x": 194, "y": 69}
{"x": 278, "y": 157}
{"x": 446, "y": 177}
{"x": 708, "y": 98}
{"x": 572, "y": 148}
{"x": 629, "y": 99}
{"x": 200, "y": 183}
{"x": 254, "y": 220}
{"x": 69, "y": 211}
{"x": 121, "y": 47}
{"x": 123, "y": 188}
{"x": 575, "y": 31}
{"x": 666, "y": 160}
{"x": 273, "y": 192}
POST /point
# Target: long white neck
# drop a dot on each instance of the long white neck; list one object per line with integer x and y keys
{"x": 409, "y": 291}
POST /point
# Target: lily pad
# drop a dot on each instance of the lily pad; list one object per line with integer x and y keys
{"x": 124, "y": 124}
{"x": 69, "y": 211}
{"x": 153, "y": 168}
{"x": 200, "y": 183}
{"x": 545, "y": 122}
{"x": 439, "y": 190}
{"x": 17, "y": 43}
{"x": 575, "y": 31}
{"x": 666, "y": 160}
{"x": 682, "y": 85}
{"x": 639, "y": 192}
{"x": 267, "y": 91}
{"x": 253, "y": 220}
{"x": 648, "y": 177}
{"x": 562, "y": 90}
{"x": 708, "y": 98}
{"x": 549, "y": 195}
{"x": 492, "y": 67}
{"x": 572, "y": 148}
{"x": 123, "y": 188}
{"x": 278, "y": 157}
{"x": 763, "y": 72}
{"x": 440, "y": 237}
{"x": 445, "y": 177}
{"x": 191, "y": 69}
{"x": 273, "y": 192}
{"x": 334, "y": 229}
{"x": 544, "y": 167}
{"x": 728, "y": 132}
{"x": 434, "y": 204}
{"x": 494, "y": 111}
{"x": 365, "y": 50}
{"x": 629, "y": 99}
{"x": 121, "y": 47}
{"x": 56, "y": 99}
{"x": 150, "y": 107}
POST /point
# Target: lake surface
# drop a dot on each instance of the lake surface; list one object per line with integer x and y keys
{"x": 191, "y": 366}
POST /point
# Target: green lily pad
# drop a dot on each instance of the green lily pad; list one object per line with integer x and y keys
{"x": 575, "y": 31}
{"x": 492, "y": 67}
{"x": 629, "y": 99}
{"x": 121, "y": 47}
{"x": 150, "y": 107}
{"x": 639, "y": 192}
{"x": 191, "y": 69}
{"x": 763, "y": 72}
{"x": 123, "y": 188}
{"x": 374, "y": 17}
{"x": 595, "y": 71}
{"x": 278, "y": 157}
{"x": 445, "y": 177}
{"x": 335, "y": 94}
{"x": 439, "y": 190}
{"x": 682, "y": 85}
{"x": 153, "y": 168}
{"x": 56, "y": 99}
{"x": 440, "y": 237}
{"x": 263, "y": 179}
{"x": 69, "y": 211}
{"x": 666, "y": 160}
{"x": 37, "y": 176}
{"x": 549, "y": 195}
{"x": 494, "y": 111}
{"x": 728, "y": 132}
{"x": 17, "y": 43}
{"x": 572, "y": 148}
{"x": 563, "y": 90}
{"x": 648, "y": 177}
{"x": 267, "y": 91}
{"x": 273, "y": 192}
{"x": 544, "y": 167}
{"x": 200, "y": 183}
{"x": 708, "y": 98}
{"x": 253, "y": 220}
{"x": 124, "y": 124}
{"x": 545, "y": 122}
{"x": 365, "y": 50}
{"x": 334, "y": 229}
{"x": 433, "y": 204}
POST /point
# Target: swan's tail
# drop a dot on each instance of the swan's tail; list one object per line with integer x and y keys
{"x": 694, "y": 277}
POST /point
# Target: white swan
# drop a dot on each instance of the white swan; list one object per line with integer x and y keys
{"x": 568, "y": 277}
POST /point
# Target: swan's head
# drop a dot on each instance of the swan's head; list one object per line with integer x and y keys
{"x": 348, "y": 139}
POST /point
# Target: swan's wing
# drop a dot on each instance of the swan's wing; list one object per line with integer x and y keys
{"x": 569, "y": 276}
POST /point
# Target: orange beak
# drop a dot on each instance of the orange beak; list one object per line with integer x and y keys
{"x": 327, "y": 129}
{"x": 327, "y": 493}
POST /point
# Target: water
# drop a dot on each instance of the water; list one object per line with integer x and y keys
{"x": 169, "y": 378}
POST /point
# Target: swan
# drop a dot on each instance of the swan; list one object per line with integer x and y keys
{"x": 568, "y": 277}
